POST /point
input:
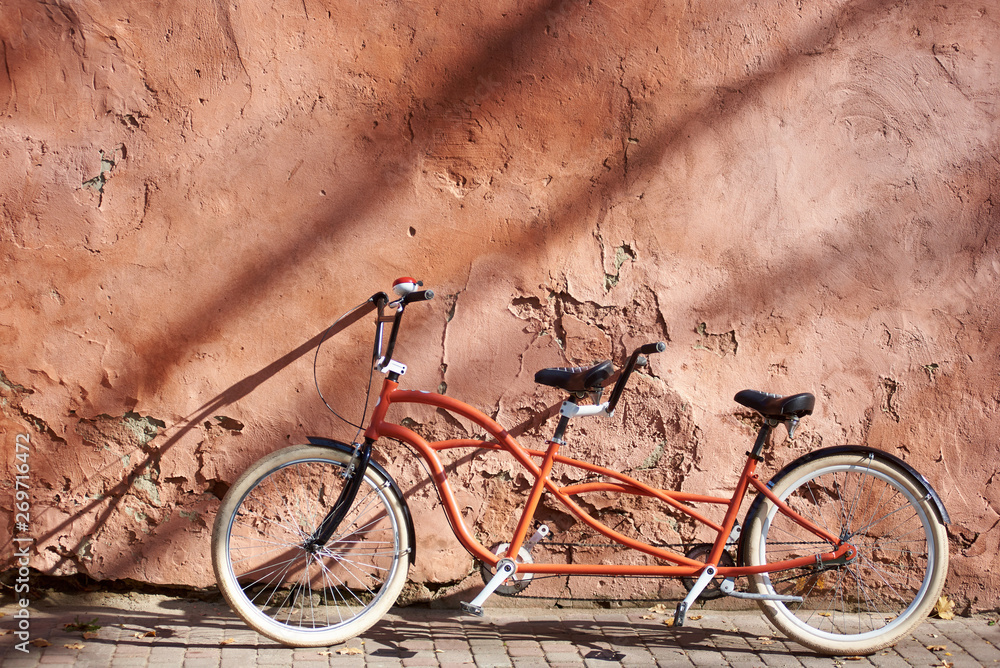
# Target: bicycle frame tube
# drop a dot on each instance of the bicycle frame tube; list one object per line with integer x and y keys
{"x": 503, "y": 441}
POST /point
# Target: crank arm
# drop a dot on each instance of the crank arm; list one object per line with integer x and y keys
{"x": 505, "y": 568}
{"x": 699, "y": 586}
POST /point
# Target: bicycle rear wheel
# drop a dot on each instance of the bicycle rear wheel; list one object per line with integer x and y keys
{"x": 869, "y": 603}
{"x": 299, "y": 596}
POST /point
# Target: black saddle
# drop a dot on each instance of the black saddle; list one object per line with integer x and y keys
{"x": 577, "y": 378}
{"x": 775, "y": 406}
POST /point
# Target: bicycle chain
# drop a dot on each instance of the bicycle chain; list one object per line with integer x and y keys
{"x": 520, "y": 594}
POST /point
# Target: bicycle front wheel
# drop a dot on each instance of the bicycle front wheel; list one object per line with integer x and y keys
{"x": 890, "y": 587}
{"x": 282, "y": 588}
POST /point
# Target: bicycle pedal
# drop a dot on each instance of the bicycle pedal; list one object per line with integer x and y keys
{"x": 476, "y": 610}
{"x": 681, "y": 615}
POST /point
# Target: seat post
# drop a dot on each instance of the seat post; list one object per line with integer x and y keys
{"x": 762, "y": 436}
{"x": 563, "y": 423}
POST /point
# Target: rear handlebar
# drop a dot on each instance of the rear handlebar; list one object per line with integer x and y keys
{"x": 633, "y": 361}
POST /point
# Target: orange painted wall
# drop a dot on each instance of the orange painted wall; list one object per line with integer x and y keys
{"x": 795, "y": 195}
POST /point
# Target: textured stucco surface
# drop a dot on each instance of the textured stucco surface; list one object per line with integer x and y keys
{"x": 796, "y": 196}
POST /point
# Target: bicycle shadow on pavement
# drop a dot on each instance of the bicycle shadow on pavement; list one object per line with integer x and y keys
{"x": 176, "y": 623}
{"x": 607, "y": 639}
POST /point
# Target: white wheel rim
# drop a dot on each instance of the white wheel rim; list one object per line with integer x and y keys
{"x": 903, "y": 616}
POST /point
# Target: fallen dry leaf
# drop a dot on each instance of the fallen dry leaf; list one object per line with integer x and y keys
{"x": 40, "y": 642}
{"x": 668, "y": 622}
{"x": 694, "y": 617}
{"x": 659, "y": 608}
{"x": 4, "y": 632}
{"x": 350, "y": 650}
{"x": 75, "y": 645}
{"x": 825, "y": 614}
{"x": 944, "y": 608}
{"x": 89, "y": 635}
{"x": 227, "y": 641}
{"x": 649, "y": 617}
{"x": 937, "y": 648}
{"x": 146, "y": 634}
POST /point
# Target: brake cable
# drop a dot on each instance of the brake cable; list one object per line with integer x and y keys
{"x": 371, "y": 373}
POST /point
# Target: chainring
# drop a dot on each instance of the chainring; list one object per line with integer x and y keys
{"x": 516, "y": 583}
{"x": 700, "y": 552}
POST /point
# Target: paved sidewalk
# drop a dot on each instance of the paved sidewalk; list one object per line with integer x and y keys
{"x": 157, "y": 631}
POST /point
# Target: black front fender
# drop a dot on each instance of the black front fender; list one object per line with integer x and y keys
{"x": 349, "y": 449}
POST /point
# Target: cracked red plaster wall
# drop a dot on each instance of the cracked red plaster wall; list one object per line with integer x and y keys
{"x": 796, "y": 197}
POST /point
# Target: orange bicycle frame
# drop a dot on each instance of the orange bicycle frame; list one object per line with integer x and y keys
{"x": 677, "y": 564}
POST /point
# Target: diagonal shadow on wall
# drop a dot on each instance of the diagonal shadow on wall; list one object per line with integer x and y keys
{"x": 254, "y": 280}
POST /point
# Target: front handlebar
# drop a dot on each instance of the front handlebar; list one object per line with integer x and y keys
{"x": 381, "y": 300}
{"x": 382, "y": 360}
{"x": 420, "y": 296}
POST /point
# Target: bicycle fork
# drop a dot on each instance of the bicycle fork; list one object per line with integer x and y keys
{"x": 353, "y": 474}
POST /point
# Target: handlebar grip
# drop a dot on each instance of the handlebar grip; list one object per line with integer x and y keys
{"x": 421, "y": 296}
{"x": 651, "y": 348}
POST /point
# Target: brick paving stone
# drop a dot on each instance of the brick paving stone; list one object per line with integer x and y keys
{"x": 702, "y": 657}
{"x": 973, "y": 643}
{"x": 674, "y": 663}
{"x": 199, "y": 663}
{"x": 887, "y": 658}
{"x": 529, "y": 661}
{"x": 421, "y": 660}
{"x": 781, "y": 661}
{"x": 493, "y": 661}
{"x": 270, "y": 655}
{"x": 195, "y": 652}
{"x": 638, "y": 657}
{"x": 189, "y": 634}
{"x": 563, "y": 657}
{"x": 916, "y": 653}
{"x": 126, "y": 663}
{"x": 454, "y": 656}
{"x": 964, "y": 661}
{"x": 550, "y": 645}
